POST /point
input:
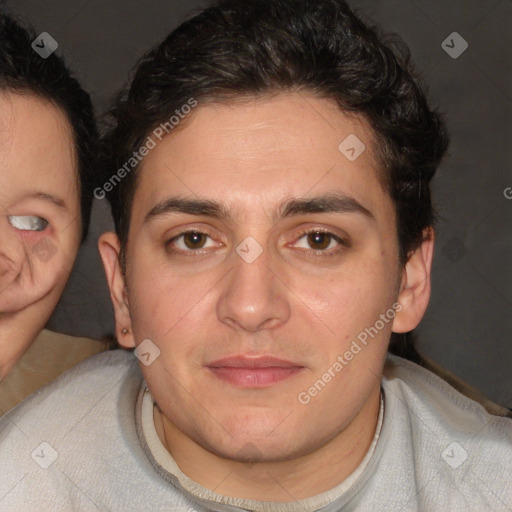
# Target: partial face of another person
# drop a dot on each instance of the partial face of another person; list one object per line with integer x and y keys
{"x": 39, "y": 215}
{"x": 252, "y": 301}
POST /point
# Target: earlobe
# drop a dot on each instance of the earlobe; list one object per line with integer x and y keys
{"x": 415, "y": 287}
{"x": 109, "y": 248}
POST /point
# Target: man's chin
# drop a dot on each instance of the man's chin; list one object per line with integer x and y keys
{"x": 256, "y": 447}
{"x": 251, "y": 453}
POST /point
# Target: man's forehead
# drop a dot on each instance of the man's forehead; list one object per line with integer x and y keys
{"x": 198, "y": 171}
{"x": 282, "y": 124}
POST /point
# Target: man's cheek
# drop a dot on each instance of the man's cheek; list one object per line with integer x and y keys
{"x": 165, "y": 307}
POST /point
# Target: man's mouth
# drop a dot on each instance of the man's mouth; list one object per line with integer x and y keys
{"x": 253, "y": 372}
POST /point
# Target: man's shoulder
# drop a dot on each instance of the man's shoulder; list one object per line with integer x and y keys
{"x": 74, "y": 444}
{"x": 450, "y": 444}
{"x": 444, "y": 423}
{"x": 75, "y": 390}
{"x": 429, "y": 396}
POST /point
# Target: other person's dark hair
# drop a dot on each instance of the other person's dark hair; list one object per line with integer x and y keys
{"x": 24, "y": 71}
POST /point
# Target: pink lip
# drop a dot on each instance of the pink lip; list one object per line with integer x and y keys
{"x": 253, "y": 372}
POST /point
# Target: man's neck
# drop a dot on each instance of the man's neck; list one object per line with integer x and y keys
{"x": 284, "y": 481}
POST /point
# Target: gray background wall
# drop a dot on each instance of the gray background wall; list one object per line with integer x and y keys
{"x": 469, "y": 322}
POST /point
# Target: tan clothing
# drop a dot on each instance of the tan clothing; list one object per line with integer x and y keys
{"x": 51, "y": 354}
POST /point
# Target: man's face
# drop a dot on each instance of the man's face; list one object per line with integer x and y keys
{"x": 252, "y": 311}
{"x": 39, "y": 215}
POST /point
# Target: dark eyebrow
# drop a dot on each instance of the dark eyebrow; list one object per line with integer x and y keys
{"x": 190, "y": 206}
{"x": 328, "y": 203}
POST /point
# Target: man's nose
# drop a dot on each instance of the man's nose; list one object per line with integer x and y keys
{"x": 254, "y": 297}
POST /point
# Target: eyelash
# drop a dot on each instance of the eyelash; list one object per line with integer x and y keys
{"x": 343, "y": 244}
{"x": 196, "y": 253}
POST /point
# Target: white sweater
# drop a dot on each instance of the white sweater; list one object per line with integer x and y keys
{"x": 83, "y": 443}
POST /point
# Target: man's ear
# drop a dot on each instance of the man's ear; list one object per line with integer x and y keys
{"x": 414, "y": 292}
{"x": 109, "y": 247}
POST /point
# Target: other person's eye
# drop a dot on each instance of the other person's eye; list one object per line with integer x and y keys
{"x": 28, "y": 222}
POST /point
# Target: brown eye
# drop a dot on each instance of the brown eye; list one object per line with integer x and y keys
{"x": 194, "y": 240}
{"x": 318, "y": 240}
{"x": 321, "y": 243}
{"x": 189, "y": 242}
